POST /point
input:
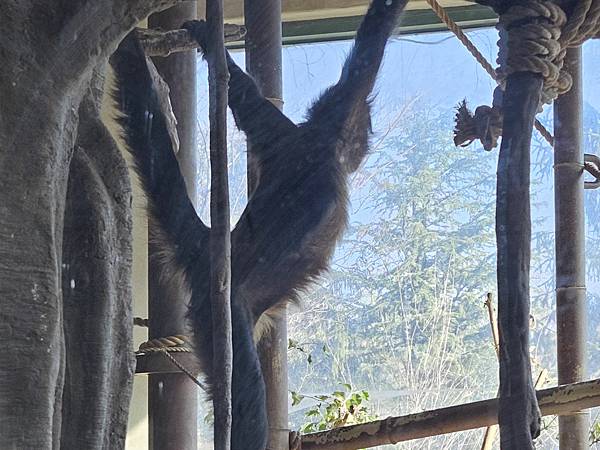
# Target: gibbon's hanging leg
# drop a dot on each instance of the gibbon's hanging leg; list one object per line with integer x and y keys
{"x": 182, "y": 240}
{"x": 179, "y": 237}
{"x": 294, "y": 217}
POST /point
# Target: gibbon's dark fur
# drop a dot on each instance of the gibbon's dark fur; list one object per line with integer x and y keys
{"x": 294, "y": 216}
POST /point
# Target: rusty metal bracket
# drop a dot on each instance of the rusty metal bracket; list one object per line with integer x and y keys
{"x": 592, "y": 166}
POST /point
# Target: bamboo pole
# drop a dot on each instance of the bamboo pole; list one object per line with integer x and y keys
{"x": 560, "y": 400}
{"x": 172, "y": 397}
{"x": 571, "y": 306}
{"x": 220, "y": 241}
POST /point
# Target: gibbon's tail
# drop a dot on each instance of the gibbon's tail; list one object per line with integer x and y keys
{"x": 147, "y": 137}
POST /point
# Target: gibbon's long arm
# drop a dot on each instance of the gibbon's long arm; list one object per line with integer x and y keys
{"x": 148, "y": 141}
{"x": 297, "y": 213}
{"x": 345, "y": 106}
{"x": 251, "y": 110}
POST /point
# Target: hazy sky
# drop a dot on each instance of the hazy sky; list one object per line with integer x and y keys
{"x": 434, "y": 67}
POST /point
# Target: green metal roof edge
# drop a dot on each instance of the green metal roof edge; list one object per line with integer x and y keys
{"x": 412, "y": 21}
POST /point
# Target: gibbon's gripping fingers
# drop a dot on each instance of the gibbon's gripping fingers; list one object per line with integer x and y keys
{"x": 197, "y": 29}
{"x": 249, "y": 107}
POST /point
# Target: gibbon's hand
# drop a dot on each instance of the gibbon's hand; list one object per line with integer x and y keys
{"x": 197, "y": 28}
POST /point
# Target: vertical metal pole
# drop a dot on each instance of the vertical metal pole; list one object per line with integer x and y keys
{"x": 263, "y": 62}
{"x": 179, "y": 71}
{"x": 571, "y": 307}
{"x": 172, "y": 398}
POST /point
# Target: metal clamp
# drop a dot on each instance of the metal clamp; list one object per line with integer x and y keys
{"x": 592, "y": 166}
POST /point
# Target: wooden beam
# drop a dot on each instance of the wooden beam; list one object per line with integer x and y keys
{"x": 155, "y": 363}
{"x": 293, "y": 10}
{"x": 571, "y": 301}
{"x": 220, "y": 236}
{"x": 560, "y": 400}
{"x": 163, "y": 43}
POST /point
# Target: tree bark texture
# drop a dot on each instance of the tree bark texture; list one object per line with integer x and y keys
{"x": 48, "y": 52}
{"x": 165, "y": 43}
{"x": 220, "y": 237}
{"x": 96, "y": 280}
{"x": 518, "y": 413}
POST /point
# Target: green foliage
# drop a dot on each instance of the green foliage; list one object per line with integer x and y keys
{"x": 294, "y": 345}
{"x": 595, "y": 434}
{"x": 342, "y": 407}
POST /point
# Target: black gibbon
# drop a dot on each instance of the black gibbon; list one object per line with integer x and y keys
{"x": 294, "y": 217}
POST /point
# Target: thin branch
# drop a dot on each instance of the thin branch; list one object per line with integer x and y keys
{"x": 489, "y": 304}
{"x": 492, "y": 430}
{"x": 163, "y": 43}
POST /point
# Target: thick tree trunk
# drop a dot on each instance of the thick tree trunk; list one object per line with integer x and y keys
{"x": 32, "y": 186}
{"x": 96, "y": 283}
{"x": 48, "y": 52}
{"x": 518, "y": 412}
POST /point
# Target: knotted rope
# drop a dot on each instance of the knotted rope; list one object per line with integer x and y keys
{"x": 534, "y": 37}
{"x": 165, "y": 346}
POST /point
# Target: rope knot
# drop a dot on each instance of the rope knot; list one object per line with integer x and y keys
{"x": 530, "y": 42}
{"x": 485, "y": 125}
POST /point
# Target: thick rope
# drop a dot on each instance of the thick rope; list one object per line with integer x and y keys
{"x": 470, "y": 121}
{"x": 462, "y": 37}
{"x": 175, "y": 343}
{"x": 529, "y": 42}
{"x": 165, "y": 346}
{"x": 534, "y": 37}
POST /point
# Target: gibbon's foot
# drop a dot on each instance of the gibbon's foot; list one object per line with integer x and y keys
{"x": 197, "y": 28}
